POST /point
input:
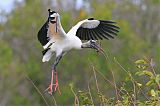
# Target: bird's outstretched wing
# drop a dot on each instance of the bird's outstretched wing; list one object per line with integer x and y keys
{"x": 91, "y": 29}
{"x": 51, "y": 31}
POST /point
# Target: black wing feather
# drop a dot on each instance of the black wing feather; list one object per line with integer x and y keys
{"x": 88, "y": 34}
{"x": 97, "y": 34}
{"x": 109, "y": 22}
{"x": 100, "y": 32}
{"x": 110, "y": 31}
{"x": 84, "y": 34}
{"x": 111, "y": 25}
{"x": 105, "y": 29}
{"x": 111, "y": 28}
{"x": 81, "y": 34}
{"x": 106, "y": 32}
{"x": 42, "y": 34}
{"x": 93, "y": 34}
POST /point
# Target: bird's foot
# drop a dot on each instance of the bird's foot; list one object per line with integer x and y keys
{"x": 56, "y": 85}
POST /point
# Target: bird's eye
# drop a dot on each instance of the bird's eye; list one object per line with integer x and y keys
{"x": 52, "y": 18}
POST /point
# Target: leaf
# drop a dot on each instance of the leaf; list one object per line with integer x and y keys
{"x": 139, "y": 73}
{"x": 141, "y": 61}
{"x": 148, "y": 73}
{"x": 149, "y": 83}
{"x": 125, "y": 99}
{"x": 139, "y": 84}
{"x": 143, "y": 67}
{"x": 71, "y": 85}
{"x": 157, "y": 79}
{"x": 138, "y": 66}
{"x": 141, "y": 64}
{"x": 153, "y": 93}
{"x": 145, "y": 72}
{"x": 119, "y": 103}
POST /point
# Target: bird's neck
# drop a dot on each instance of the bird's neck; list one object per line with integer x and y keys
{"x": 86, "y": 45}
{"x": 60, "y": 26}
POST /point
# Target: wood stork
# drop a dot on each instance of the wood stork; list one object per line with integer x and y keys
{"x": 55, "y": 40}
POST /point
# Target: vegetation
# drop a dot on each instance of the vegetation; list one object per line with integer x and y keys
{"x": 141, "y": 93}
{"x": 126, "y": 74}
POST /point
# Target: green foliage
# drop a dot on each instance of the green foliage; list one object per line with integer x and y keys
{"x": 132, "y": 96}
{"x": 6, "y": 54}
{"x": 156, "y": 1}
{"x": 84, "y": 98}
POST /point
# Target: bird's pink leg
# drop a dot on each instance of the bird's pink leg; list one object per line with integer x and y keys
{"x": 51, "y": 84}
{"x": 56, "y": 85}
{"x": 54, "y": 72}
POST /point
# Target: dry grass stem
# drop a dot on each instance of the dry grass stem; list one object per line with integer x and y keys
{"x": 37, "y": 89}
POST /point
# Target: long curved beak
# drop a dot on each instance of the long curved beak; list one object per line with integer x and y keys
{"x": 96, "y": 46}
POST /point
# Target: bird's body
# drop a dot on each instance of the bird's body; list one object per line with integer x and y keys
{"x": 63, "y": 42}
{"x": 64, "y": 45}
{"x": 55, "y": 40}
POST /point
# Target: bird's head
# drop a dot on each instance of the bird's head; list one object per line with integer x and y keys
{"x": 53, "y": 16}
{"x": 93, "y": 44}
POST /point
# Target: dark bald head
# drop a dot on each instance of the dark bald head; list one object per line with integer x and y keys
{"x": 52, "y": 15}
{"x": 51, "y": 12}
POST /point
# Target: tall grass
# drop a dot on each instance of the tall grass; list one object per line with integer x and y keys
{"x": 144, "y": 90}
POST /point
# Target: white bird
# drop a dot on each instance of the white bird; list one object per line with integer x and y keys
{"x": 55, "y": 40}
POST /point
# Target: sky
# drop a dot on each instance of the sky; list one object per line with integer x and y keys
{"x": 7, "y": 5}
{"x": 79, "y": 4}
